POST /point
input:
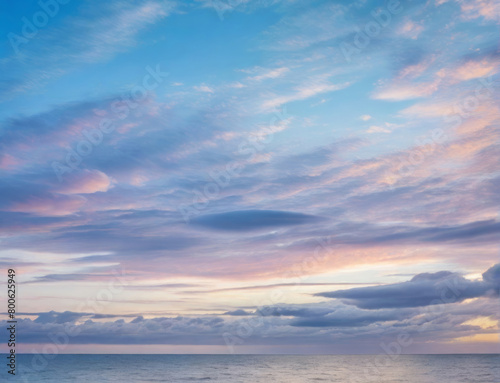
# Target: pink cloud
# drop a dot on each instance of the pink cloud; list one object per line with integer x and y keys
{"x": 86, "y": 182}
{"x": 55, "y": 205}
{"x": 472, "y": 9}
{"x": 474, "y": 69}
{"x": 399, "y": 91}
{"x": 489, "y": 9}
{"x": 410, "y": 29}
{"x": 8, "y": 162}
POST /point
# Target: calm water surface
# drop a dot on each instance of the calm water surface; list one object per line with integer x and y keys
{"x": 262, "y": 368}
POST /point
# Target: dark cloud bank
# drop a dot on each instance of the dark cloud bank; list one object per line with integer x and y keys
{"x": 357, "y": 313}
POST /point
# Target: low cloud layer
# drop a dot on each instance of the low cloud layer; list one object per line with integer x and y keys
{"x": 302, "y": 168}
{"x": 422, "y": 290}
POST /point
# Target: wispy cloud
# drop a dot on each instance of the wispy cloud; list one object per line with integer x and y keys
{"x": 97, "y": 34}
{"x": 323, "y": 177}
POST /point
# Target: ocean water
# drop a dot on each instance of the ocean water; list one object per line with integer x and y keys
{"x": 261, "y": 368}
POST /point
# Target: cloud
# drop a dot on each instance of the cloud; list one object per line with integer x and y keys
{"x": 318, "y": 323}
{"x": 176, "y": 330}
{"x": 120, "y": 206}
{"x": 429, "y": 110}
{"x": 7, "y": 161}
{"x": 238, "y": 313}
{"x": 114, "y": 241}
{"x": 24, "y": 196}
{"x": 377, "y": 129}
{"x": 253, "y": 220}
{"x": 441, "y": 234}
{"x": 312, "y": 88}
{"x": 492, "y": 277}
{"x": 410, "y": 29}
{"x": 223, "y": 8}
{"x": 96, "y": 34}
{"x": 301, "y": 29}
{"x": 473, "y": 9}
{"x": 15, "y": 222}
{"x": 203, "y": 88}
{"x": 473, "y": 69}
{"x": 273, "y": 286}
{"x": 58, "y": 318}
{"x": 400, "y": 91}
{"x": 95, "y": 273}
{"x": 86, "y": 182}
{"x": 422, "y": 290}
{"x": 106, "y": 35}
{"x": 270, "y": 74}
{"x": 336, "y": 319}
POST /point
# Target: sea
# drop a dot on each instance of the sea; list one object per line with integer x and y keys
{"x": 258, "y": 368}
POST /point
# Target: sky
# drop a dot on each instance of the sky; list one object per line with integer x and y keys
{"x": 251, "y": 176}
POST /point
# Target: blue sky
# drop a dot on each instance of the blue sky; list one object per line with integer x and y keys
{"x": 323, "y": 173}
